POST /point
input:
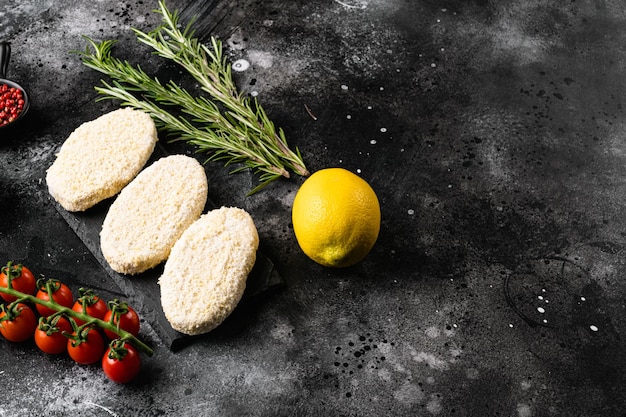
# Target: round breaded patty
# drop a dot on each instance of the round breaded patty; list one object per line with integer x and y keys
{"x": 205, "y": 275}
{"x": 100, "y": 158}
{"x": 152, "y": 212}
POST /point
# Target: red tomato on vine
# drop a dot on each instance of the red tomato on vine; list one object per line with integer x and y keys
{"x": 121, "y": 362}
{"x": 17, "y": 322}
{"x": 20, "y": 278}
{"x": 91, "y": 304}
{"x": 86, "y": 347}
{"x": 61, "y": 294}
{"x": 123, "y": 316}
{"x": 49, "y": 335}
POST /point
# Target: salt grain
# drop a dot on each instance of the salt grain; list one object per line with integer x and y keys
{"x": 241, "y": 65}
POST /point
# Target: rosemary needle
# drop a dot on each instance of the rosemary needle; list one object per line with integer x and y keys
{"x": 227, "y": 125}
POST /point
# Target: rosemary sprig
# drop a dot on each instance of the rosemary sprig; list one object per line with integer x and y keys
{"x": 229, "y": 126}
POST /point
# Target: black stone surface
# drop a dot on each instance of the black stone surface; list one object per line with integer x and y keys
{"x": 494, "y": 136}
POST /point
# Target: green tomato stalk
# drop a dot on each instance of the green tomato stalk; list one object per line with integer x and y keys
{"x": 86, "y": 319}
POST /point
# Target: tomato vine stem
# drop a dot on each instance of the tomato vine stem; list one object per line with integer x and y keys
{"x": 124, "y": 335}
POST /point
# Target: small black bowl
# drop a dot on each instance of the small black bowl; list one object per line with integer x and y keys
{"x": 5, "y": 56}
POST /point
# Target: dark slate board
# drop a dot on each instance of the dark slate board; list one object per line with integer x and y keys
{"x": 210, "y": 16}
{"x": 142, "y": 290}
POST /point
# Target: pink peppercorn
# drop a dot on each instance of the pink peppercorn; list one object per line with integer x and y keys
{"x": 11, "y": 103}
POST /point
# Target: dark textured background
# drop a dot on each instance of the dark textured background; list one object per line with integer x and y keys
{"x": 494, "y": 136}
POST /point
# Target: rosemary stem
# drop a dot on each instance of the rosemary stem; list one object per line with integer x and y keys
{"x": 228, "y": 125}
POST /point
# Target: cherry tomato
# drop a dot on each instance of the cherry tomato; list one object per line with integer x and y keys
{"x": 49, "y": 337}
{"x": 93, "y": 305}
{"x": 124, "y": 317}
{"x": 87, "y": 351}
{"x": 121, "y": 362}
{"x": 22, "y": 279}
{"x": 61, "y": 294}
{"x": 20, "y": 327}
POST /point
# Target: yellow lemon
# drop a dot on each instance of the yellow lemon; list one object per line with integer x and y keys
{"x": 336, "y": 217}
